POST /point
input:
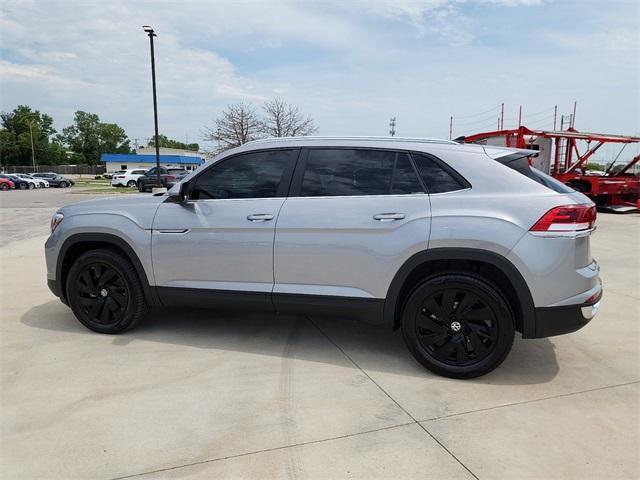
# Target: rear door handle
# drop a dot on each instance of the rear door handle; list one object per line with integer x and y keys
{"x": 260, "y": 217}
{"x": 388, "y": 217}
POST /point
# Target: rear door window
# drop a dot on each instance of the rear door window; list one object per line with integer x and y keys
{"x": 355, "y": 172}
{"x": 436, "y": 175}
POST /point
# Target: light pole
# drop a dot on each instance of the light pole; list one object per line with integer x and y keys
{"x": 33, "y": 152}
{"x": 152, "y": 34}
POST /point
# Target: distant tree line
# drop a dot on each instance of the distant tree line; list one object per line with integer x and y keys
{"x": 25, "y": 133}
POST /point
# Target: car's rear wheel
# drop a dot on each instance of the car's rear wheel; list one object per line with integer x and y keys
{"x": 4, "y": 186}
{"x": 458, "y": 325}
{"x": 23, "y": 186}
{"x": 105, "y": 293}
{"x": 31, "y": 186}
{"x": 131, "y": 184}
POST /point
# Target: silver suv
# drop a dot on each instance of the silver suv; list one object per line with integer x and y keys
{"x": 458, "y": 246}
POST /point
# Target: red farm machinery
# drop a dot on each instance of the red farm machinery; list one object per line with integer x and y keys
{"x": 565, "y": 153}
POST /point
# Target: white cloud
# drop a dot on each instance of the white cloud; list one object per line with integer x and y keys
{"x": 350, "y": 64}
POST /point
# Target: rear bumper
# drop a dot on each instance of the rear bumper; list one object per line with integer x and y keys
{"x": 551, "y": 321}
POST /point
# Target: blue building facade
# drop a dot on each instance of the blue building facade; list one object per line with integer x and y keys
{"x": 121, "y": 161}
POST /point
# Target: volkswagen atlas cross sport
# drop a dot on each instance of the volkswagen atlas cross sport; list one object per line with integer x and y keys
{"x": 458, "y": 246}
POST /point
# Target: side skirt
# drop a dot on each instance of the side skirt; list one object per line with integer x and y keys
{"x": 369, "y": 310}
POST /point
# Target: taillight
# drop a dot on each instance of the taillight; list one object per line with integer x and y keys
{"x": 567, "y": 218}
{"x": 170, "y": 178}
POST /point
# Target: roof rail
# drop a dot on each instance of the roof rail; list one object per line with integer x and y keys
{"x": 358, "y": 138}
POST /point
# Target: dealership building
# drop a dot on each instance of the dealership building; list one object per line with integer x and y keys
{"x": 145, "y": 158}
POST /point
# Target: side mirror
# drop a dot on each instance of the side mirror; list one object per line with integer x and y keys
{"x": 179, "y": 192}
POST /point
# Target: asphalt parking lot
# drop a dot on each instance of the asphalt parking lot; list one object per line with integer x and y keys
{"x": 197, "y": 394}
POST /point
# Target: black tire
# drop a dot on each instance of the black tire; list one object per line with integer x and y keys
{"x": 105, "y": 293}
{"x": 458, "y": 325}
{"x": 131, "y": 184}
{"x": 141, "y": 187}
{"x": 31, "y": 186}
{"x": 23, "y": 186}
{"x": 63, "y": 184}
{"x": 4, "y": 186}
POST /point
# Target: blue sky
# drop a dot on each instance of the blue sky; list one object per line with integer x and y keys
{"x": 350, "y": 64}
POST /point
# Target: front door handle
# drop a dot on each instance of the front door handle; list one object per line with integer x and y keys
{"x": 388, "y": 217}
{"x": 260, "y": 217}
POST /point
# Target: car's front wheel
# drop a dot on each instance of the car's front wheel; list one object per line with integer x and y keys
{"x": 23, "y": 186}
{"x": 63, "y": 184}
{"x": 458, "y": 325}
{"x": 141, "y": 187}
{"x": 105, "y": 293}
{"x": 4, "y": 186}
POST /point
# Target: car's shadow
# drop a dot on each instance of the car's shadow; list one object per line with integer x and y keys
{"x": 373, "y": 348}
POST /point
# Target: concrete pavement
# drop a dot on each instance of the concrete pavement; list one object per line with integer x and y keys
{"x": 196, "y": 394}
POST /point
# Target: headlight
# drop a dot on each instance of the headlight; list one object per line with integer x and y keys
{"x": 55, "y": 221}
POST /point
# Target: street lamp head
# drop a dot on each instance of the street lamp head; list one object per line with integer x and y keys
{"x": 148, "y": 29}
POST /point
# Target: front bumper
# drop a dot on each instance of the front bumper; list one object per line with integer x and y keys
{"x": 551, "y": 321}
{"x": 56, "y": 289}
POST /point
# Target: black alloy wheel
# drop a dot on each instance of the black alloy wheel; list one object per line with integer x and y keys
{"x": 458, "y": 325}
{"x": 63, "y": 184}
{"x": 141, "y": 187}
{"x": 104, "y": 292}
{"x": 23, "y": 186}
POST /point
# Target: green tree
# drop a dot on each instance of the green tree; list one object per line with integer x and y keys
{"x": 595, "y": 166}
{"x": 170, "y": 143}
{"x": 15, "y": 138}
{"x": 88, "y": 138}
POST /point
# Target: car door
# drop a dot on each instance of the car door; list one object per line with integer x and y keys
{"x": 219, "y": 242}
{"x": 352, "y": 218}
{"x": 151, "y": 176}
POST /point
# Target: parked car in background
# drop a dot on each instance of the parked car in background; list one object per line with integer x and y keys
{"x": 55, "y": 180}
{"x": 127, "y": 178}
{"x": 6, "y": 184}
{"x": 169, "y": 176}
{"x": 458, "y": 246}
{"x": 20, "y": 183}
{"x": 40, "y": 182}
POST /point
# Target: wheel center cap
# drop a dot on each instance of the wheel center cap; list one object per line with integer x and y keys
{"x": 104, "y": 292}
{"x": 455, "y": 326}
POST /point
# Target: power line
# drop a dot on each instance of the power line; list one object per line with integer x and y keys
{"x": 497, "y": 107}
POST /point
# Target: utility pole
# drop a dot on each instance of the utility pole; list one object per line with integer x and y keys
{"x": 152, "y": 34}
{"x": 450, "y": 126}
{"x": 555, "y": 116}
{"x": 501, "y": 123}
{"x": 33, "y": 152}
{"x": 573, "y": 115}
{"x": 520, "y": 117}
{"x": 392, "y": 126}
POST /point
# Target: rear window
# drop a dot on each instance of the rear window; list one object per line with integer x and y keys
{"x": 520, "y": 163}
{"x": 552, "y": 183}
{"x": 436, "y": 175}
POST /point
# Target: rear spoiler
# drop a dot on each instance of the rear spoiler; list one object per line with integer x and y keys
{"x": 505, "y": 155}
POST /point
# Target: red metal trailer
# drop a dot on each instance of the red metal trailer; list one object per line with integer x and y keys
{"x": 617, "y": 189}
